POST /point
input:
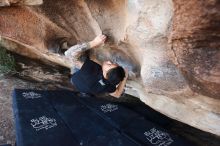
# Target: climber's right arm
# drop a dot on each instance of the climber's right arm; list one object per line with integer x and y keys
{"x": 76, "y": 49}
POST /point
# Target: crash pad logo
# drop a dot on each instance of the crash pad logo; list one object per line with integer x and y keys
{"x": 158, "y": 138}
{"x": 43, "y": 123}
{"x": 109, "y": 107}
{"x": 31, "y": 95}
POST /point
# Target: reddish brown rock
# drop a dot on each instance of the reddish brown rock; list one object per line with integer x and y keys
{"x": 20, "y": 2}
{"x": 28, "y": 27}
{"x": 196, "y": 44}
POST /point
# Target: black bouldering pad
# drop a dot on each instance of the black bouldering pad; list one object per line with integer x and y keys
{"x": 62, "y": 117}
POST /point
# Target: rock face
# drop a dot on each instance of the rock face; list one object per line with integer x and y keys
{"x": 20, "y": 2}
{"x": 196, "y": 43}
{"x": 170, "y": 47}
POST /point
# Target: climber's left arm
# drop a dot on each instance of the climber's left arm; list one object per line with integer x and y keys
{"x": 120, "y": 88}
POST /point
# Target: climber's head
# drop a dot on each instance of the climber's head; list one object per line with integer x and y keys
{"x": 113, "y": 72}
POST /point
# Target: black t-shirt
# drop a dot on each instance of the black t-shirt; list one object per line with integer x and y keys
{"x": 90, "y": 79}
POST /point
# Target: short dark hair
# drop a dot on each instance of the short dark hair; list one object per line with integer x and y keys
{"x": 115, "y": 75}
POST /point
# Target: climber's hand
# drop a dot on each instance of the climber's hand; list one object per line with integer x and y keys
{"x": 97, "y": 41}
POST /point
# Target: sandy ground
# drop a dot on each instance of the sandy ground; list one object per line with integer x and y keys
{"x": 6, "y": 117}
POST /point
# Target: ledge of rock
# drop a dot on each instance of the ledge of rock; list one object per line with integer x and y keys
{"x": 170, "y": 47}
{"x": 4, "y": 3}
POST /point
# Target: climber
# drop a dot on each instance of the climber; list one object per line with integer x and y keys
{"x": 93, "y": 78}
